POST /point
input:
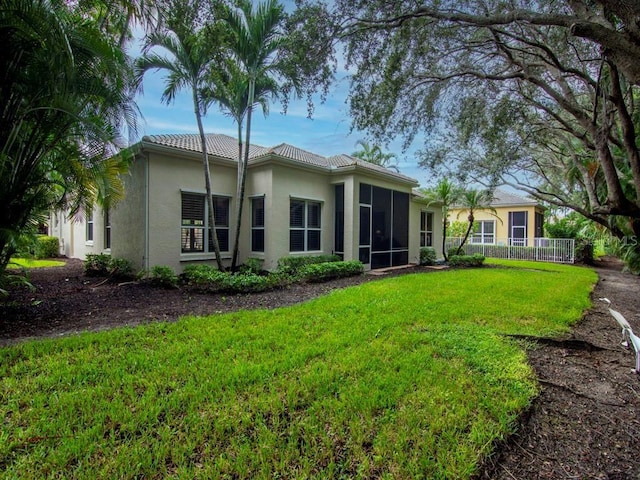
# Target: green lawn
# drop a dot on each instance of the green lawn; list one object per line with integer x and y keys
{"x": 33, "y": 263}
{"x": 408, "y": 377}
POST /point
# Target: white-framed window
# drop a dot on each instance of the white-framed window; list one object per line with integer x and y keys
{"x": 426, "y": 229}
{"x": 484, "y": 232}
{"x": 304, "y": 225}
{"x": 194, "y": 229}
{"x": 89, "y": 227}
{"x": 257, "y": 224}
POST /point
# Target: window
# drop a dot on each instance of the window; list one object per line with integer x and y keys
{"x": 426, "y": 229}
{"x": 107, "y": 229}
{"x": 89, "y": 231}
{"x": 195, "y": 235}
{"x": 484, "y": 232}
{"x": 304, "y": 223}
{"x": 338, "y": 229}
{"x": 257, "y": 224}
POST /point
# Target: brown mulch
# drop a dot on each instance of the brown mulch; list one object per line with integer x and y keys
{"x": 585, "y": 424}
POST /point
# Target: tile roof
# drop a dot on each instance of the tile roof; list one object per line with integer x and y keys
{"x": 219, "y": 145}
{"x": 500, "y": 198}
{"x": 225, "y": 146}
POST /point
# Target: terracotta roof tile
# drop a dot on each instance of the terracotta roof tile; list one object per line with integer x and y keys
{"x": 225, "y": 146}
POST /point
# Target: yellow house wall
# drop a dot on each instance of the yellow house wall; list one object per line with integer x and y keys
{"x": 501, "y": 218}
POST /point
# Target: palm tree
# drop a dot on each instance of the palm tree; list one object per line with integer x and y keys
{"x": 444, "y": 193}
{"x": 188, "y": 61}
{"x": 472, "y": 201}
{"x": 231, "y": 91}
{"x": 375, "y": 155}
{"x": 257, "y": 40}
{"x": 64, "y": 89}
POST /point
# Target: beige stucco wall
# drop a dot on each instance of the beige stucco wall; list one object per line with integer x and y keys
{"x": 72, "y": 234}
{"x": 146, "y": 225}
{"x": 128, "y": 217}
{"x": 292, "y": 182}
{"x": 258, "y": 184}
{"x": 417, "y": 205}
{"x": 168, "y": 178}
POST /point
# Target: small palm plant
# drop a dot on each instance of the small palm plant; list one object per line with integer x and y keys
{"x": 445, "y": 193}
{"x": 472, "y": 201}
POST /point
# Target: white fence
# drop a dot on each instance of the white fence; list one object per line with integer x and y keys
{"x": 556, "y": 250}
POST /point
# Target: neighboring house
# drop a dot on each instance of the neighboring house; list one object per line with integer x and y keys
{"x": 517, "y": 220}
{"x": 297, "y": 203}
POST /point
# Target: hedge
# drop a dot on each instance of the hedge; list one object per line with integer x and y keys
{"x": 475, "y": 260}
{"x": 320, "y": 272}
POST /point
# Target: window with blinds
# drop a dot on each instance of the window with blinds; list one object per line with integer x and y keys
{"x": 257, "y": 224}
{"x": 304, "y": 226}
{"x": 195, "y": 234}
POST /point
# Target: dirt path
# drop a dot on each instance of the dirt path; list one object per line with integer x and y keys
{"x": 585, "y": 424}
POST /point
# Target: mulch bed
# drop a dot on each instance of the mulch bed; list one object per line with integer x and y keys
{"x": 584, "y": 424}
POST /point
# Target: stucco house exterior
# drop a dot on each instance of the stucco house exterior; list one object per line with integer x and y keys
{"x": 297, "y": 203}
{"x": 517, "y": 221}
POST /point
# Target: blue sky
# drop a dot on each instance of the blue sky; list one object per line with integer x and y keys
{"x": 327, "y": 133}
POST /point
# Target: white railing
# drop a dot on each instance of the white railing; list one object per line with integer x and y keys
{"x": 556, "y": 250}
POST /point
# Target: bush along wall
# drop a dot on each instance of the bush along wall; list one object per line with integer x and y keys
{"x": 475, "y": 260}
{"x": 293, "y": 264}
{"x": 208, "y": 278}
{"x": 103, "y": 265}
{"x": 321, "y": 272}
{"x": 428, "y": 256}
{"x": 47, "y": 247}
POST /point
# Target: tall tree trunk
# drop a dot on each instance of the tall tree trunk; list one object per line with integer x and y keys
{"x": 445, "y": 214}
{"x": 243, "y": 178}
{"x": 471, "y": 219}
{"x": 207, "y": 180}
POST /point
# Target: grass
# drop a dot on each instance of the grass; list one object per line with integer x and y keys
{"x": 33, "y": 263}
{"x": 409, "y": 377}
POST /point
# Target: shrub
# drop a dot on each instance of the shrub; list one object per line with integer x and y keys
{"x": 320, "y": 272}
{"x": 475, "y": 260}
{"x": 103, "y": 265}
{"x": 47, "y": 247}
{"x": 293, "y": 264}
{"x": 252, "y": 265}
{"x": 120, "y": 268}
{"x": 631, "y": 258}
{"x": 97, "y": 265}
{"x": 428, "y": 256}
{"x": 453, "y": 251}
{"x": 164, "y": 276}
{"x": 246, "y": 283}
{"x": 205, "y": 276}
{"x": 584, "y": 251}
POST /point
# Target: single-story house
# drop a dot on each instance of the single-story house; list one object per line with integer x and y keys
{"x": 297, "y": 203}
{"x": 517, "y": 220}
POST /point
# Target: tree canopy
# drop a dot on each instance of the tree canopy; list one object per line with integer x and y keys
{"x": 540, "y": 95}
{"x": 65, "y": 97}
